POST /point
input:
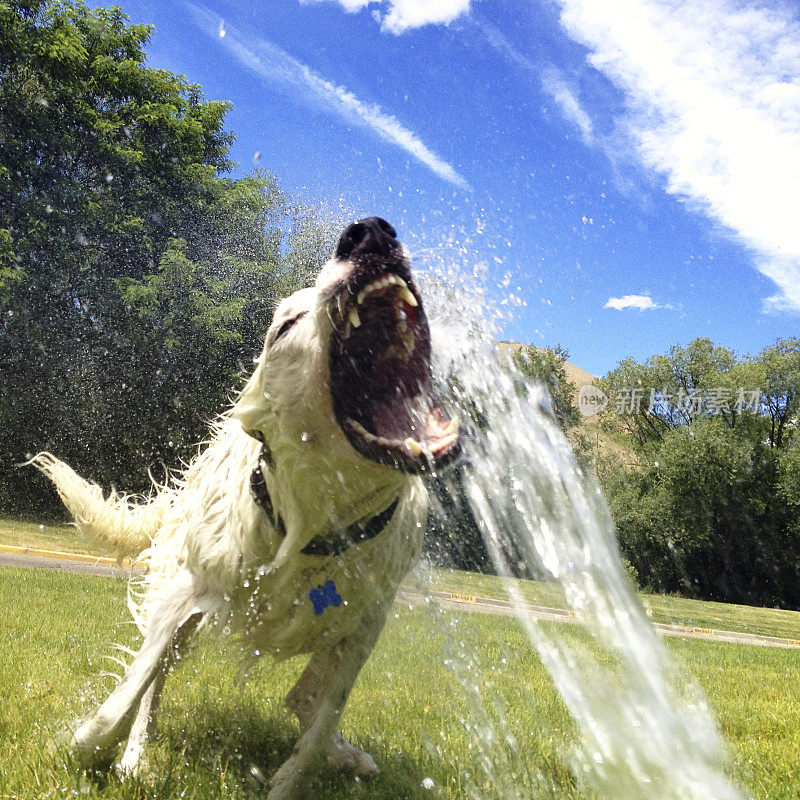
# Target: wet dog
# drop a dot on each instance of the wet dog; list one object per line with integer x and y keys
{"x": 299, "y": 519}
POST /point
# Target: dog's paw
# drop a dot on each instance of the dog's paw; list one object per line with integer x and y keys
{"x": 132, "y": 761}
{"x": 343, "y": 756}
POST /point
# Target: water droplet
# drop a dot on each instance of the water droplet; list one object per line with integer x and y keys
{"x": 222, "y": 29}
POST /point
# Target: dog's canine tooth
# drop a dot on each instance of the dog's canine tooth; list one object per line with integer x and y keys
{"x": 414, "y": 446}
{"x": 352, "y": 315}
{"x": 405, "y": 294}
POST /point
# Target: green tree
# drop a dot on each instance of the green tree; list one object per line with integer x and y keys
{"x": 547, "y": 366}
{"x": 137, "y": 281}
{"x": 710, "y": 507}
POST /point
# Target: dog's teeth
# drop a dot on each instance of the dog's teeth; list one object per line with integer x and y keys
{"x": 405, "y": 294}
{"x": 402, "y": 326}
{"x": 353, "y": 317}
{"x": 346, "y": 331}
{"x": 361, "y": 295}
{"x": 414, "y": 446}
{"x": 408, "y": 342}
{"x": 341, "y": 302}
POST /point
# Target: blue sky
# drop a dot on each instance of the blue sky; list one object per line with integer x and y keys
{"x": 629, "y": 171}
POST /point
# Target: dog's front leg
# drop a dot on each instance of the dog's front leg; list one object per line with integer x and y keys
{"x": 334, "y": 671}
{"x": 144, "y": 726}
{"x": 95, "y": 741}
{"x": 302, "y": 700}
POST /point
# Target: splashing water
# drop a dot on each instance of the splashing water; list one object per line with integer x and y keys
{"x": 645, "y": 730}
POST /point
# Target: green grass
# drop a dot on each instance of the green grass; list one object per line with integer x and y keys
{"x": 221, "y": 733}
{"x": 670, "y": 610}
{"x": 21, "y": 533}
{"x": 659, "y": 608}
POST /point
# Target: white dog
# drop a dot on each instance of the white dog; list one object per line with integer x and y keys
{"x": 298, "y": 521}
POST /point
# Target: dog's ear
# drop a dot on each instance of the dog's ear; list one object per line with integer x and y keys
{"x": 252, "y": 407}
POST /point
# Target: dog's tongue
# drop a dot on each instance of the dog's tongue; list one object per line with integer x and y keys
{"x": 417, "y": 425}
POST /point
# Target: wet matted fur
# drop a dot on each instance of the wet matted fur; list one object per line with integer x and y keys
{"x": 298, "y": 520}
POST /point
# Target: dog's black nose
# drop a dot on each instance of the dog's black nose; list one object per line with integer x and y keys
{"x": 372, "y": 235}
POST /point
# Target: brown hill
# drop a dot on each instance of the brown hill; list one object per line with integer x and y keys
{"x": 575, "y": 374}
{"x": 594, "y": 439}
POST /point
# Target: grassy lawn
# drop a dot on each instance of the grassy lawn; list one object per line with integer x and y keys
{"x": 221, "y": 734}
{"x": 47, "y": 537}
{"x": 671, "y": 610}
{"x": 659, "y": 608}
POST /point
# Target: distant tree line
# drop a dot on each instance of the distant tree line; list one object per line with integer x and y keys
{"x": 702, "y": 472}
{"x": 136, "y": 280}
{"x": 698, "y": 453}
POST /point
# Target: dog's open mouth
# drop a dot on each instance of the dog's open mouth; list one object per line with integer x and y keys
{"x": 381, "y": 373}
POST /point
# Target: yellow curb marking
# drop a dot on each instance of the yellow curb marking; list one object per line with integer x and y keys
{"x": 84, "y": 557}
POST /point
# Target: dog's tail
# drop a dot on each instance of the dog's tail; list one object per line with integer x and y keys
{"x": 119, "y": 521}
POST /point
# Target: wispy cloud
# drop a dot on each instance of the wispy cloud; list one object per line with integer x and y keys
{"x": 554, "y": 84}
{"x": 552, "y": 81}
{"x": 275, "y": 65}
{"x": 641, "y": 301}
{"x": 713, "y": 99}
{"x": 403, "y": 15}
{"x": 500, "y": 43}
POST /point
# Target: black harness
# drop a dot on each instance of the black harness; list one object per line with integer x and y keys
{"x": 339, "y": 539}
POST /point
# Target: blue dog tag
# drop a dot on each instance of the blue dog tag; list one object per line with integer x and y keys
{"x": 324, "y": 596}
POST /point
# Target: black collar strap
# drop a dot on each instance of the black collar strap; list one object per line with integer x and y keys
{"x": 338, "y": 540}
{"x": 258, "y": 488}
{"x": 341, "y": 539}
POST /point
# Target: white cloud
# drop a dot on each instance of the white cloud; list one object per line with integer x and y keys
{"x": 275, "y": 65}
{"x": 554, "y": 84}
{"x": 505, "y": 48}
{"x": 403, "y": 15}
{"x": 641, "y": 301}
{"x": 713, "y": 94}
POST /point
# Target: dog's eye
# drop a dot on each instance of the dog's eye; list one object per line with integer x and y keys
{"x": 287, "y": 325}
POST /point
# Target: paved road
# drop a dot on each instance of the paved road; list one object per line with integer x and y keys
{"x": 63, "y": 565}
{"x": 64, "y": 562}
